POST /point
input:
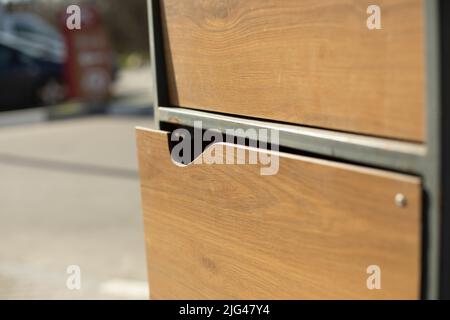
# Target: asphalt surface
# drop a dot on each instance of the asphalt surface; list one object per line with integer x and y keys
{"x": 69, "y": 195}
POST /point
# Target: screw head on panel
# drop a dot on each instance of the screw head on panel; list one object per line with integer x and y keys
{"x": 400, "y": 200}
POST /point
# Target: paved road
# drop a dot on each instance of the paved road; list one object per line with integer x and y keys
{"x": 69, "y": 195}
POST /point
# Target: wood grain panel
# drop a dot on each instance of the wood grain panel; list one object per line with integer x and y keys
{"x": 309, "y": 232}
{"x": 306, "y": 62}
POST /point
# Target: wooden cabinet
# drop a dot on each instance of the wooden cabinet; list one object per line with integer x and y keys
{"x": 308, "y": 232}
{"x": 362, "y": 118}
{"x": 305, "y": 62}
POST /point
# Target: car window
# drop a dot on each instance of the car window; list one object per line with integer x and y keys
{"x": 24, "y": 28}
{"x": 28, "y": 24}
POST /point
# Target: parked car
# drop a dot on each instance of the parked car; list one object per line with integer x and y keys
{"x": 27, "y": 81}
{"x": 32, "y": 57}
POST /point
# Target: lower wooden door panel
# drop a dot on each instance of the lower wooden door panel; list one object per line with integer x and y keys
{"x": 309, "y": 232}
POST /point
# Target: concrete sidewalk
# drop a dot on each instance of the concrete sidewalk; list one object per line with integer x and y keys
{"x": 69, "y": 195}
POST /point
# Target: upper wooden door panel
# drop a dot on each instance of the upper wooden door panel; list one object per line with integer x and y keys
{"x": 308, "y": 232}
{"x": 307, "y": 62}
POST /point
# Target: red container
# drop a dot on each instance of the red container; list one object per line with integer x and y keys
{"x": 89, "y": 62}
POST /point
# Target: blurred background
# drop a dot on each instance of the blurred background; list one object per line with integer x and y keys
{"x": 69, "y": 186}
